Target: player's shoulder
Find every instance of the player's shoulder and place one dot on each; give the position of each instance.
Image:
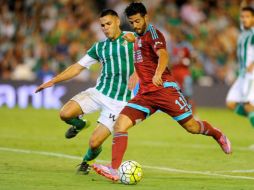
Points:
(101, 42)
(155, 33)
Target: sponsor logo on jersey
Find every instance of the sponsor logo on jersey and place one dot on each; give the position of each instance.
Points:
(157, 43)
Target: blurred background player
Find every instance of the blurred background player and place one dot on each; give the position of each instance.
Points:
(180, 68)
(111, 92)
(158, 91)
(241, 94)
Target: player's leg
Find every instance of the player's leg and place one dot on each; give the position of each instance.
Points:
(238, 108)
(130, 115)
(203, 127)
(234, 98)
(248, 92)
(83, 103)
(120, 139)
(119, 145)
(72, 113)
(135, 111)
(99, 135)
(177, 107)
(249, 108)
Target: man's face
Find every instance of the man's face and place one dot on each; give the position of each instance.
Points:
(138, 22)
(247, 19)
(110, 25)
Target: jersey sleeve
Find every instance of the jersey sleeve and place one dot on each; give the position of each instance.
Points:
(87, 61)
(92, 52)
(157, 40)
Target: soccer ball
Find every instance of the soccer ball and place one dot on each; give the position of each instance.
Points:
(130, 172)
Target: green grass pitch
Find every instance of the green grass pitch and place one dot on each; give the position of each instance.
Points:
(34, 155)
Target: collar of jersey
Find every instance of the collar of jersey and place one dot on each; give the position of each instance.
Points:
(147, 29)
(249, 30)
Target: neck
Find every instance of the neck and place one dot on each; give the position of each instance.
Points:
(118, 33)
(146, 27)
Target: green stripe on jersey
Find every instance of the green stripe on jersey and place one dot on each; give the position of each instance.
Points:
(118, 64)
(244, 41)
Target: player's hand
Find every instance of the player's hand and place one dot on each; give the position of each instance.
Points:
(157, 81)
(133, 81)
(129, 37)
(44, 85)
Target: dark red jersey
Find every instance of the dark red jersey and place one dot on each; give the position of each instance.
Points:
(146, 59)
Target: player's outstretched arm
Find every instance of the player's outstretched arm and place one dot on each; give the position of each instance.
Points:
(162, 64)
(67, 74)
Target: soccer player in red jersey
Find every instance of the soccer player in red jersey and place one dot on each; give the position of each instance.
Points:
(158, 91)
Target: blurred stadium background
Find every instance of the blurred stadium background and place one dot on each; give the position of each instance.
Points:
(39, 39)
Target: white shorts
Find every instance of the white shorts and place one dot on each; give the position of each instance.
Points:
(91, 100)
(242, 91)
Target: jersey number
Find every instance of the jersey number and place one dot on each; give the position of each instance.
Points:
(181, 103)
(111, 116)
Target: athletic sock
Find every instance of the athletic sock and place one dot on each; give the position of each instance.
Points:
(119, 146)
(91, 154)
(251, 118)
(208, 130)
(240, 110)
(78, 123)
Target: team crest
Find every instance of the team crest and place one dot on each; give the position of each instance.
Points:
(124, 43)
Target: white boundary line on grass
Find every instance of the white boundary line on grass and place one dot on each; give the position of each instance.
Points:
(60, 155)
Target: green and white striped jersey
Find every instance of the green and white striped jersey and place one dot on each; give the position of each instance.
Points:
(117, 62)
(245, 50)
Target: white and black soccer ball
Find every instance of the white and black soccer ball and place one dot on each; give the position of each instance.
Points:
(130, 172)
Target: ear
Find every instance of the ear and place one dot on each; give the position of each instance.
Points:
(118, 21)
(146, 18)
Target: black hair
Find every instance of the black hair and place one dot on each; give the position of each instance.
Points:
(135, 8)
(250, 9)
(106, 12)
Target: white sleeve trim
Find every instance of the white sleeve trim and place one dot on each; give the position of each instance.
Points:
(87, 61)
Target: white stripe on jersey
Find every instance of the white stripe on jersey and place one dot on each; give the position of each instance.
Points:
(128, 70)
(105, 65)
(120, 68)
(112, 68)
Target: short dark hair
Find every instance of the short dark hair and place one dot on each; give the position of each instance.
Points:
(106, 12)
(250, 9)
(135, 8)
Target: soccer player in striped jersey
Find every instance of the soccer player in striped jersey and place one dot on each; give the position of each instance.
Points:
(111, 92)
(158, 91)
(241, 95)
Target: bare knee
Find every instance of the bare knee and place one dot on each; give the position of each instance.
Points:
(248, 108)
(118, 127)
(231, 105)
(192, 126)
(193, 129)
(64, 115)
(70, 110)
(123, 123)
